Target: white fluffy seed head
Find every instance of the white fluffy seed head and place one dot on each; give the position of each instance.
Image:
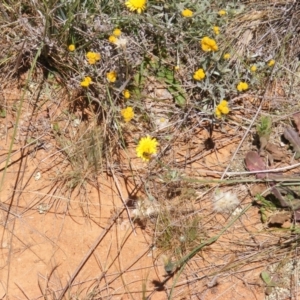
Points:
(121, 43)
(145, 209)
(225, 202)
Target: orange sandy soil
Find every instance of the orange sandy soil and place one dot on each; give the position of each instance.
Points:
(45, 234)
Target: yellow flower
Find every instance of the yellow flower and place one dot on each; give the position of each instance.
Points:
(216, 30)
(93, 57)
(111, 76)
(117, 32)
(223, 103)
(176, 68)
(86, 82)
(199, 74)
(126, 94)
(71, 47)
(226, 56)
(187, 13)
(209, 44)
(222, 12)
(253, 68)
(127, 113)
(138, 5)
(112, 39)
(218, 113)
(242, 86)
(222, 108)
(146, 148)
(271, 63)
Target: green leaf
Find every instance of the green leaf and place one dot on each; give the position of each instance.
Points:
(264, 127)
(180, 100)
(178, 95)
(265, 203)
(55, 127)
(264, 217)
(2, 113)
(169, 75)
(265, 276)
(153, 64)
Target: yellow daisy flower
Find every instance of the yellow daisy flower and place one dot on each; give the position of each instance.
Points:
(113, 39)
(226, 56)
(208, 44)
(187, 13)
(93, 57)
(71, 47)
(199, 74)
(126, 94)
(253, 68)
(117, 32)
(138, 5)
(146, 148)
(216, 30)
(222, 108)
(86, 81)
(127, 113)
(271, 63)
(218, 113)
(223, 103)
(111, 76)
(222, 12)
(242, 86)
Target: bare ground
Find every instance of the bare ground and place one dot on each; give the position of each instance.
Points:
(50, 236)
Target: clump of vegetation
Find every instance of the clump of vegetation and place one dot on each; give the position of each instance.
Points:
(263, 129)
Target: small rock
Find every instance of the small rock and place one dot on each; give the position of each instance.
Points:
(280, 219)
